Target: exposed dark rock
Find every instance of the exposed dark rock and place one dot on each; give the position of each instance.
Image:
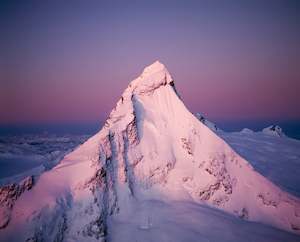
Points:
(243, 214)
(267, 201)
(9, 195)
(187, 145)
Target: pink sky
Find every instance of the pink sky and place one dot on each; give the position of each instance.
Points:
(229, 62)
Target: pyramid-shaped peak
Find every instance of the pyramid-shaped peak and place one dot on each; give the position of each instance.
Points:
(155, 67)
(152, 77)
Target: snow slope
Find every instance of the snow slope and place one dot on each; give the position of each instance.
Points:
(277, 158)
(152, 155)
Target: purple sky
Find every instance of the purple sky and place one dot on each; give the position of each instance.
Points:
(64, 62)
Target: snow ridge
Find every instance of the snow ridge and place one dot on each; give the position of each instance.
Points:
(208, 123)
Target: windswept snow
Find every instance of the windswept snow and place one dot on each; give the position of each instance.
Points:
(181, 221)
(153, 173)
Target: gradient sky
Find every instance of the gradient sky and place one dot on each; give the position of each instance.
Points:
(70, 61)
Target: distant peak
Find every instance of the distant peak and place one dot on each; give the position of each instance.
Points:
(274, 130)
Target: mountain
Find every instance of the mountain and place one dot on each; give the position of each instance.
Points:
(246, 131)
(152, 161)
(274, 130)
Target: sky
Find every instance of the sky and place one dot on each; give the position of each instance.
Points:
(69, 61)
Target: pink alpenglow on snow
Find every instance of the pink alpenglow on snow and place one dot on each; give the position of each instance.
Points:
(152, 167)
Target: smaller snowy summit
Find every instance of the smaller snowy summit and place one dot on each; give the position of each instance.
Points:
(247, 131)
(274, 130)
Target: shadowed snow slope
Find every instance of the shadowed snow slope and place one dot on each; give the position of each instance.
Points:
(153, 149)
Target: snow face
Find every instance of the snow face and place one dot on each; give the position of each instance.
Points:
(150, 149)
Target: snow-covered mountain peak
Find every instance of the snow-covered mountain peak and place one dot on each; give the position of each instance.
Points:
(155, 81)
(274, 130)
(154, 67)
(151, 148)
(152, 77)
